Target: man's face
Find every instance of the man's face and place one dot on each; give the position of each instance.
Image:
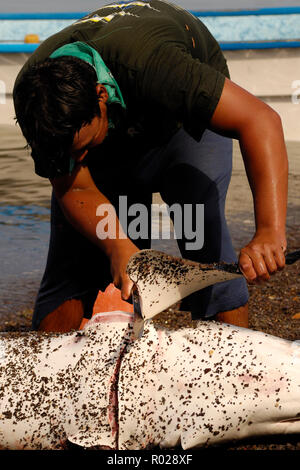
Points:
(91, 134)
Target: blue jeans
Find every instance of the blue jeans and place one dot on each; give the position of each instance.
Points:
(183, 171)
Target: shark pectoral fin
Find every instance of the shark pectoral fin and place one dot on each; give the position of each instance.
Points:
(162, 279)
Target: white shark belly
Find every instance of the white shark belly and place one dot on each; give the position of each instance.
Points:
(207, 385)
(193, 387)
(58, 388)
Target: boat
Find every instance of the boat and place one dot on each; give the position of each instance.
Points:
(262, 48)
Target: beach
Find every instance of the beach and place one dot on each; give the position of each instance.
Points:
(25, 203)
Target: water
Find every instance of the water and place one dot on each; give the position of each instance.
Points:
(24, 222)
(225, 29)
(90, 5)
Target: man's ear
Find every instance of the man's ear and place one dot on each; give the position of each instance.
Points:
(101, 92)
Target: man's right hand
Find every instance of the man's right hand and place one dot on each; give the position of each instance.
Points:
(79, 199)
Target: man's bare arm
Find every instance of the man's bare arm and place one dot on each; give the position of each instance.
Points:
(259, 130)
(79, 198)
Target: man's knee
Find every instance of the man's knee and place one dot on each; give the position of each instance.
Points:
(66, 317)
(238, 316)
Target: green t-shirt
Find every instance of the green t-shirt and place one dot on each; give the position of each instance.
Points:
(169, 68)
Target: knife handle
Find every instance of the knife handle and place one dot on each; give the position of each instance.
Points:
(136, 301)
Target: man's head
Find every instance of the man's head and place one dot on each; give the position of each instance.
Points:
(54, 100)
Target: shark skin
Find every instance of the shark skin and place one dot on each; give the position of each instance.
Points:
(60, 388)
(192, 387)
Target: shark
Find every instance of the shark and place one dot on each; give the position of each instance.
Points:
(102, 387)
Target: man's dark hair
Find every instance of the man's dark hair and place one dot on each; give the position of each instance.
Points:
(53, 100)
